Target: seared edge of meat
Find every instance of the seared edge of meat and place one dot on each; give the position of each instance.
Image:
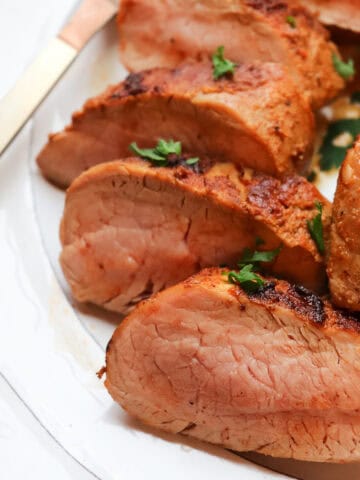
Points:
(344, 258)
(258, 119)
(180, 30)
(275, 372)
(130, 229)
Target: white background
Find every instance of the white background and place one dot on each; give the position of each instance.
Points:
(25, 27)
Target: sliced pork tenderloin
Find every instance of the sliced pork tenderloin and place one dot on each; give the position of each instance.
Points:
(255, 118)
(344, 258)
(276, 371)
(265, 30)
(130, 229)
(344, 14)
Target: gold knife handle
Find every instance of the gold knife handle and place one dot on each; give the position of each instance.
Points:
(32, 87)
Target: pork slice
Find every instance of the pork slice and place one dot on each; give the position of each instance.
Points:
(256, 119)
(344, 258)
(343, 14)
(130, 229)
(276, 372)
(249, 30)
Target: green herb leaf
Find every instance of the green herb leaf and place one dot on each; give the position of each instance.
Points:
(149, 154)
(355, 97)
(255, 257)
(159, 154)
(247, 279)
(249, 264)
(192, 161)
(315, 228)
(332, 155)
(221, 65)
(165, 148)
(291, 21)
(345, 69)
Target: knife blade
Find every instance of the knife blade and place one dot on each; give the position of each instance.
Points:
(43, 73)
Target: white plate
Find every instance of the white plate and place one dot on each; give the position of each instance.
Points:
(56, 419)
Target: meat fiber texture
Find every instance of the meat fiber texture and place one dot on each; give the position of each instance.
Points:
(344, 14)
(130, 229)
(276, 372)
(256, 119)
(249, 30)
(344, 258)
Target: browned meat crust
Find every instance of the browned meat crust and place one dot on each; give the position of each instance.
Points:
(276, 372)
(249, 30)
(130, 229)
(257, 119)
(344, 259)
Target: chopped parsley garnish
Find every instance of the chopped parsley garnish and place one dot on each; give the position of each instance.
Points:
(151, 154)
(346, 70)
(192, 161)
(165, 148)
(159, 155)
(255, 257)
(247, 279)
(331, 152)
(315, 228)
(221, 65)
(249, 264)
(291, 21)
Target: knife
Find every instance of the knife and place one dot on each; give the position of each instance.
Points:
(43, 73)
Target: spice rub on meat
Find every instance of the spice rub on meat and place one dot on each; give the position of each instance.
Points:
(276, 371)
(130, 229)
(250, 30)
(344, 259)
(256, 118)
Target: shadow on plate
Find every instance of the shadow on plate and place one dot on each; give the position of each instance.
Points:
(98, 312)
(115, 416)
(292, 468)
(307, 470)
